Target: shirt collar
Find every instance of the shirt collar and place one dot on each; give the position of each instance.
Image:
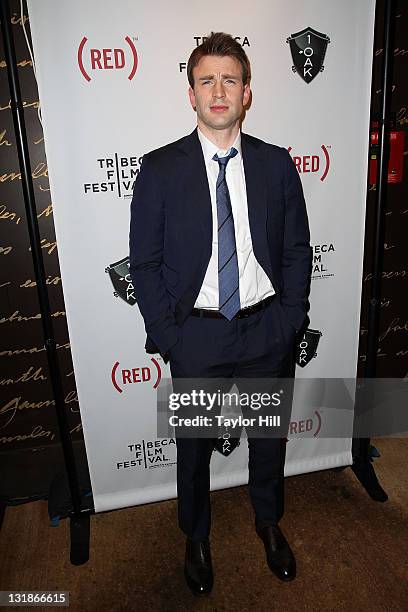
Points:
(210, 149)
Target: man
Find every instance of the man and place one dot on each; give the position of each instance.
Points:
(220, 260)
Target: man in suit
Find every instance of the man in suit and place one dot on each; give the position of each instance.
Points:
(220, 261)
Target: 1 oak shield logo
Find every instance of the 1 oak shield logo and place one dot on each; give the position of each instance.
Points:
(306, 349)
(121, 280)
(308, 49)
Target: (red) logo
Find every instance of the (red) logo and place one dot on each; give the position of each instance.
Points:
(122, 377)
(313, 163)
(91, 59)
(306, 425)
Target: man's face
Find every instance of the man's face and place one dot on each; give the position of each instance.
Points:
(219, 96)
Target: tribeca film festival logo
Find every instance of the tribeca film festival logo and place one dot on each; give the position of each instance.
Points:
(118, 175)
(121, 281)
(242, 40)
(150, 454)
(318, 164)
(308, 49)
(322, 257)
(121, 377)
(93, 60)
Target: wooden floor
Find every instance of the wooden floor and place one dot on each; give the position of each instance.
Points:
(351, 552)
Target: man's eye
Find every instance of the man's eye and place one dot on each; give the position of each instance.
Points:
(206, 82)
(230, 81)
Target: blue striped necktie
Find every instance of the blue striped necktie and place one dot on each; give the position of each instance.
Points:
(228, 276)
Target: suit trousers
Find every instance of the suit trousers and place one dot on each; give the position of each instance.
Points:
(259, 346)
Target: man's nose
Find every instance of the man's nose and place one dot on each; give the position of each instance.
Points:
(218, 91)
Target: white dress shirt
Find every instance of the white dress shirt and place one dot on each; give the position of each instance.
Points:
(254, 284)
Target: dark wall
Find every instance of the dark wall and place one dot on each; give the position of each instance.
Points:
(392, 358)
(26, 404)
(26, 410)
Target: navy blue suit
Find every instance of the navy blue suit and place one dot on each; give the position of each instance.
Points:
(170, 248)
(171, 232)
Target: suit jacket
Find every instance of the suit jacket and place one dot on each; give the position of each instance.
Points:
(171, 232)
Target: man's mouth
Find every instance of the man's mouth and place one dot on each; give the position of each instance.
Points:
(218, 108)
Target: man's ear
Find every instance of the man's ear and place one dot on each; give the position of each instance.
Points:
(192, 97)
(247, 94)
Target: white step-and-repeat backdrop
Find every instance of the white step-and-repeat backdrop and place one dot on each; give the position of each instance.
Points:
(113, 86)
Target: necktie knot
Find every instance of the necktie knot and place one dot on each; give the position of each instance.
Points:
(223, 161)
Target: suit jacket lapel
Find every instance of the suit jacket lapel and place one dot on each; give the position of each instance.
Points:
(196, 184)
(255, 168)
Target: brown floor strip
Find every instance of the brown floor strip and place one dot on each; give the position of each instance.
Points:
(351, 552)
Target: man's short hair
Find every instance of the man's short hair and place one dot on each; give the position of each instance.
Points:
(221, 44)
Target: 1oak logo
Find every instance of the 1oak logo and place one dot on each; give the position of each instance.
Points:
(122, 281)
(308, 49)
(91, 59)
(306, 349)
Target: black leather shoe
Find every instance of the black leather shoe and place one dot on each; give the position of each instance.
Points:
(278, 553)
(198, 567)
